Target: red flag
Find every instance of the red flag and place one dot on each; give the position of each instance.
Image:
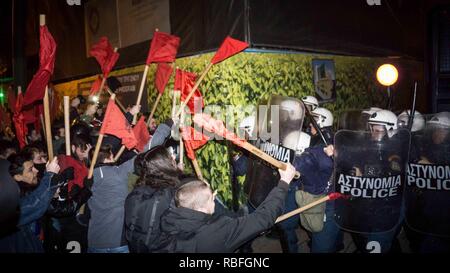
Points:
(79, 173)
(141, 133)
(163, 48)
(163, 73)
(177, 82)
(105, 55)
(116, 124)
(217, 127)
(19, 122)
(47, 54)
(193, 140)
(228, 48)
(21, 129)
(29, 114)
(187, 83)
(337, 195)
(95, 87)
(38, 111)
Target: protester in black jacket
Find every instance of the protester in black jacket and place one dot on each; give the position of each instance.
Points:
(191, 225)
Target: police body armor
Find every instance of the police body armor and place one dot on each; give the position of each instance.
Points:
(427, 189)
(283, 120)
(371, 173)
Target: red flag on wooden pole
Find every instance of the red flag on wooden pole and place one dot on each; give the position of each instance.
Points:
(228, 48)
(186, 83)
(141, 133)
(95, 87)
(193, 140)
(163, 48)
(163, 73)
(105, 55)
(47, 54)
(116, 124)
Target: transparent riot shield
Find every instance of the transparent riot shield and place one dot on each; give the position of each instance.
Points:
(427, 189)
(354, 120)
(279, 127)
(371, 172)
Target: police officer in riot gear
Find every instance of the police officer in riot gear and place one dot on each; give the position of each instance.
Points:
(324, 119)
(370, 167)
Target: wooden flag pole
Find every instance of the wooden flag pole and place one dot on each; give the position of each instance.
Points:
(194, 88)
(175, 95)
(116, 100)
(94, 157)
(278, 164)
(97, 148)
(181, 141)
(67, 124)
(48, 129)
(41, 117)
(48, 134)
(141, 90)
(197, 169)
(119, 153)
(152, 113)
(302, 209)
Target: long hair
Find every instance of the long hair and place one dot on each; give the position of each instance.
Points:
(156, 169)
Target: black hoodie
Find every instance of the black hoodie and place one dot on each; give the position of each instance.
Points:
(195, 231)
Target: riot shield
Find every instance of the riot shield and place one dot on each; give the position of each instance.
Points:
(354, 120)
(278, 135)
(371, 173)
(427, 189)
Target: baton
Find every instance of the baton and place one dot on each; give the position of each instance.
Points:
(314, 123)
(413, 109)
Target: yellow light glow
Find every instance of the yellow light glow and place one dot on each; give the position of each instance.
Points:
(387, 74)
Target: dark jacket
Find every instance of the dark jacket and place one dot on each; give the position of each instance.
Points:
(9, 199)
(32, 208)
(194, 231)
(315, 168)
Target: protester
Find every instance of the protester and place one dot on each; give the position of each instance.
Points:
(191, 226)
(33, 203)
(109, 192)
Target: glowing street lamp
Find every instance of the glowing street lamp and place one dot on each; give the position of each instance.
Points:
(387, 75)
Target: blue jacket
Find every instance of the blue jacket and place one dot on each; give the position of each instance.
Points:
(32, 208)
(315, 168)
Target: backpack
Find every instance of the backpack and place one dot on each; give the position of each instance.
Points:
(143, 209)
